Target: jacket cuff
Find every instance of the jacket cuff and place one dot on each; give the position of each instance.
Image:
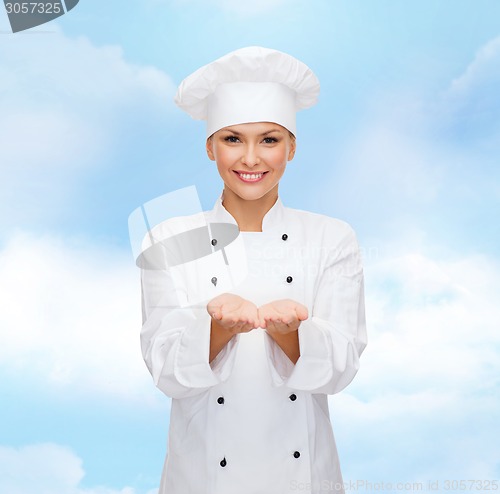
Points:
(313, 369)
(222, 365)
(191, 366)
(314, 366)
(280, 366)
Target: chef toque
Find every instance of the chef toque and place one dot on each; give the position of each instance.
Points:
(253, 84)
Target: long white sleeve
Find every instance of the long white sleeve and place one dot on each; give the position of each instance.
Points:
(175, 340)
(332, 339)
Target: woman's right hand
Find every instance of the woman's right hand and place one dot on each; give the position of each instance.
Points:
(233, 313)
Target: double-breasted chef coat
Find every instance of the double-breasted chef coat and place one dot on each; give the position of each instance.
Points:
(252, 422)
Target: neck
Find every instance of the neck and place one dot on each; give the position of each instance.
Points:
(249, 214)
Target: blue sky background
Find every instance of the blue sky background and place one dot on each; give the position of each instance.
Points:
(404, 144)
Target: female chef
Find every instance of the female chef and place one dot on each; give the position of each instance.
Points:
(249, 370)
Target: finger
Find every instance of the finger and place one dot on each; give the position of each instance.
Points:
(274, 323)
(251, 325)
(279, 327)
(302, 312)
(270, 326)
(256, 322)
(235, 323)
(238, 327)
(261, 318)
(248, 327)
(252, 320)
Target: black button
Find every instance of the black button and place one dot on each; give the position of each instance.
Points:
(284, 236)
(214, 241)
(296, 454)
(293, 397)
(289, 279)
(220, 400)
(223, 463)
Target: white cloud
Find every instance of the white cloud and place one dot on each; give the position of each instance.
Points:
(482, 73)
(46, 469)
(53, 71)
(425, 401)
(67, 106)
(436, 322)
(387, 175)
(71, 316)
(428, 162)
(471, 104)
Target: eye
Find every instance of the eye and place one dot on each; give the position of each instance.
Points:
(270, 140)
(231, 139)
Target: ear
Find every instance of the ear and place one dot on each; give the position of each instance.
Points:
(210, 148)
(293, 147)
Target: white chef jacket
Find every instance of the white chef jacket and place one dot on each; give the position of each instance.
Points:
(252, 422)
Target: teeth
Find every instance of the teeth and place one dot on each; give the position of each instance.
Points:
(251, 176)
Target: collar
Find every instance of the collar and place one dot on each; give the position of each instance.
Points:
(273, 218)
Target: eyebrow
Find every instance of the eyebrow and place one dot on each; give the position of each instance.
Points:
(235, 132)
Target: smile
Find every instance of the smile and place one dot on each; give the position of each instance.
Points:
(250, 177)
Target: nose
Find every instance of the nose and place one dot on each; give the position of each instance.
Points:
(250, 156)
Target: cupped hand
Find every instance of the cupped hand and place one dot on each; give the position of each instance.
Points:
(234, 313)
(282, 316)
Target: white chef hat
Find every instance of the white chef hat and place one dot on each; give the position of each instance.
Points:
(253, 84)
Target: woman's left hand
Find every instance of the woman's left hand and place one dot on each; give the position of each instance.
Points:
(282, 316)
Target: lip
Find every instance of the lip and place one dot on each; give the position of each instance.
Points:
(238, 173)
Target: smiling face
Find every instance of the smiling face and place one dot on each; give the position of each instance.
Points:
(251, 158)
